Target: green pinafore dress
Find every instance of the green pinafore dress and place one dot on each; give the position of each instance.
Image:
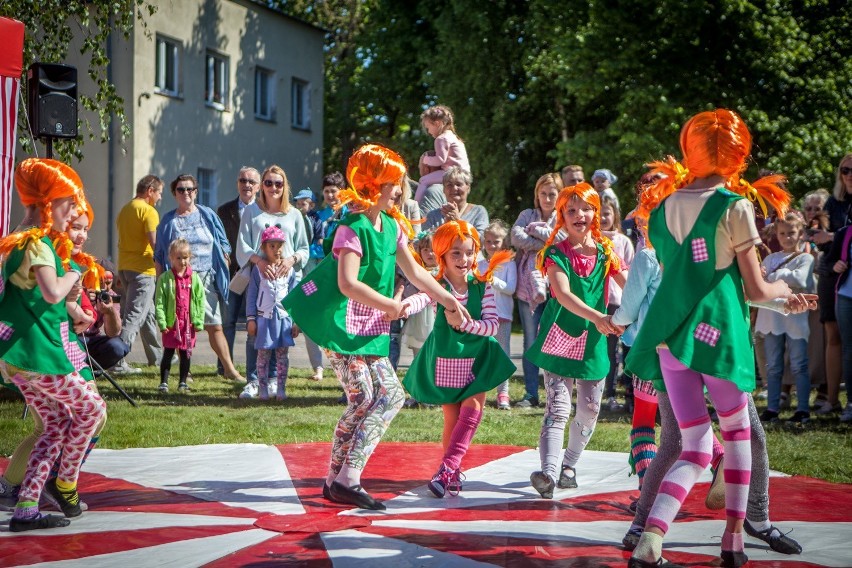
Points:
(455, 365)
(333, 320)
(568, 345)
(699, 312)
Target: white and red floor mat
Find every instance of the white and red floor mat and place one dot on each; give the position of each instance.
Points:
(223, 506)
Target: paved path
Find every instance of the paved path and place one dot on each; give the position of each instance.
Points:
(203, 354)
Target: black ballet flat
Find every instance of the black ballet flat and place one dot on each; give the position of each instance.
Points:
(354, 495)
(660, 563)
(40, 522)
(732, 559)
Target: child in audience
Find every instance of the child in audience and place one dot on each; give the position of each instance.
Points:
(603, 180)
(179, 300)
(449, 148)
(268, 321)
(787, 333)
(418, 326)
(460, 360)
(503, 282)
(623, 247)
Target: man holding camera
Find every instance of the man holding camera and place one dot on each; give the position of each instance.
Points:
(102, 337)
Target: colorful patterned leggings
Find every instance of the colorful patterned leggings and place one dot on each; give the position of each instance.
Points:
(375, 395)
(282, 364)
(70, 410)
(556, 415)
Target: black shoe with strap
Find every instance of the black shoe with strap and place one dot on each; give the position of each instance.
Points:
(69, 501)
(37, 523)
(660, 563)
(777, 541)
(354, 495)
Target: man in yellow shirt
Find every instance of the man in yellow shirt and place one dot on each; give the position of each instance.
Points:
(137, 235)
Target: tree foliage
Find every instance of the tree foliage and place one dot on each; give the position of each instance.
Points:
(51, 25)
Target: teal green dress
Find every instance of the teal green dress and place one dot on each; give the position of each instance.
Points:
(455, 365)
(568, 345)
(699, 312)
(333, 320)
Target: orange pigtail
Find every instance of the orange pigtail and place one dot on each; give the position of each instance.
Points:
(63, 246)
(765, 190)
(92, 271)
(499, 257)
(674, 176)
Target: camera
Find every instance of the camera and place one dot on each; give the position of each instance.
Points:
(105, 297)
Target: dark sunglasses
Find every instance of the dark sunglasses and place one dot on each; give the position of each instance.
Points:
(270, 183)
(185, 189)
(248, 181)
(846, 171)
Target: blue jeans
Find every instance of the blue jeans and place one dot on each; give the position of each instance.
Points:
(797, 349)
(843, 309)
(395, 339)
(235, 308)
(529, 323)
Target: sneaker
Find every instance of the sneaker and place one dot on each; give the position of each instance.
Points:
(122, 368)
(163, 388)
(69, 502)
(317, 376)
(272, 388)
(343, 399)
(542, 483)
(613, 405)
(801, 417)
(631, 539)
(8, 493)
(777, 541)
(503, 402)
(250, 390)
(847, 414)
(715, 499)
(263, 391)
(48, 501)
(183, 387)
(785, 401)
(410, 403)
(762, 395)
(769, 416)
(528, 401)
(456, 482)
(567, 478)
(827, 408)
(440, 482)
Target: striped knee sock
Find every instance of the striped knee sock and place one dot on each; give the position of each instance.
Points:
(684, 473)
(736, 436)
(462, 435)
(643, 448)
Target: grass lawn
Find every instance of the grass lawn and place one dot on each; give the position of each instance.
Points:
(211, 413)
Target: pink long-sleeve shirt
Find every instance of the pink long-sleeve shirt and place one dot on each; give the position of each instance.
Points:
(449, 151)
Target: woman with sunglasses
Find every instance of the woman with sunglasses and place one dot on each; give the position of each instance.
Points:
(271, 208)
(203, 229)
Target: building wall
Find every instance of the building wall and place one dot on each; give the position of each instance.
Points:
(180, 134)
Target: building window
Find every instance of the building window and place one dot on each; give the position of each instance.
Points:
(301, 110)
(207, 187)
(264, 94)
(167, 79)
(216, 87)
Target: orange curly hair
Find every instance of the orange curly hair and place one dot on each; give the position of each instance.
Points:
(369, 168)
(451, 231)
(715, 142)
(586, 193)
(40, 181)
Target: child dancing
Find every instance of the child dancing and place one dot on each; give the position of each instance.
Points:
(179, 300)
(36, 282)
(346, 304)
(704, 234)
(268, 323)
(461, 360)
(571, 345)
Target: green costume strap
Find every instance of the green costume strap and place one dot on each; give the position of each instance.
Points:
(455, 365)
(30, 327)
(699, 312)
(331, 319)
(568, 345)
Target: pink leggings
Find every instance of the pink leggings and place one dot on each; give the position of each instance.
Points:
(70, 410)
(686, 392)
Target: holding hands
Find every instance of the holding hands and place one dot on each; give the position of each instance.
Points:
(606, 327)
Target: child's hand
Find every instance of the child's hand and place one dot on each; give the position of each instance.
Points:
(394, 312)
(296, 331)
(605, 326)
(539, 297)
(798, 303)
(763, 272)
(251, 328)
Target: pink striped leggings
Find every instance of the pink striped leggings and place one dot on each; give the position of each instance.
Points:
(686, 392)
(70, 410)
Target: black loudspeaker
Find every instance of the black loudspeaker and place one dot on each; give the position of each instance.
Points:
(52, 98)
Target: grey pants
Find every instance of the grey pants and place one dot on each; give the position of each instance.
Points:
(556, 415)
(669, 450)
(137, 314)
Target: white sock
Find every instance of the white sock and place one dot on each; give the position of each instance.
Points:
(760, 526)
(349, 476)
(649, 547)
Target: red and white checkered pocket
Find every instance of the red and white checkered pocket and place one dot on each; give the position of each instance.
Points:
(309, 287)
(699, 250)
(72, 349)
(454, 373)
(561, 344)
(365, 320)
(5, 331)
(707, 334)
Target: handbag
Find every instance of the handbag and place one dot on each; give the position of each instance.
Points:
(241, 279)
